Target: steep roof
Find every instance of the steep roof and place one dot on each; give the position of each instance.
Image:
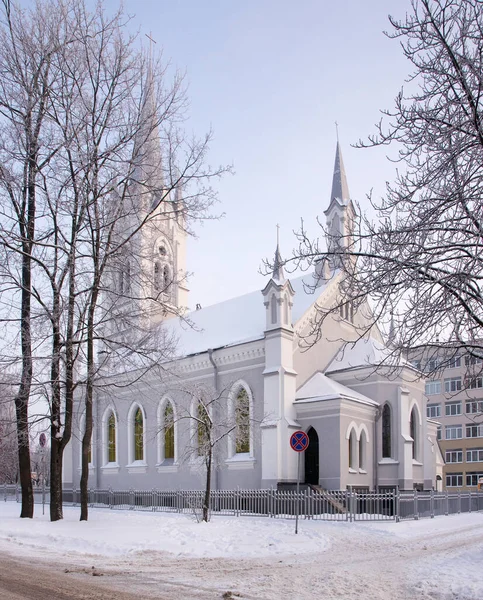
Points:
(366, 352)
(321, 387)
(235, 321)
(340, 189)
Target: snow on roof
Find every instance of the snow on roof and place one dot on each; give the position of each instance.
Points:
(235, 321)
(321, 387)
(365, 352)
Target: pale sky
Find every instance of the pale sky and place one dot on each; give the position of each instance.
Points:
(271, 77)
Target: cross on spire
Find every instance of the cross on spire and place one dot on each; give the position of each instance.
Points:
(151, 42)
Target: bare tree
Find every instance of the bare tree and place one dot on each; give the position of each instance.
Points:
(213, 422)
(8, 437)
(420, 265)
(100, 176)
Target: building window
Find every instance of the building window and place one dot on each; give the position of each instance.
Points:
(413, 432)
(474, 455)
(474, 407)
(452, 409)
(362, 450)
(157, 276)
(168, 429)
(432, 365)
(472, 360)
(166, 279)
(474, 383)
(453, 432)
(386, 431)
(473, 478)
(242, 422)
(452, 384)
(203, 430)
(454, 362)
(474, 431)
(111, 438)
(138, 435)
(439, 433)
(454, 480)
(454, 456)
(273, 306)
(432, 387)
(352, 450)
(433, 411)
(416, 364)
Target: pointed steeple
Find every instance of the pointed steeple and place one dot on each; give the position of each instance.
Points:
(340, 189)
(278, 273)
(340, 214)
(147, 149)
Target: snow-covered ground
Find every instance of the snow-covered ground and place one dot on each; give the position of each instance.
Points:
(262, 558)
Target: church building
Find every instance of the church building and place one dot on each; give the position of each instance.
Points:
(242, 361)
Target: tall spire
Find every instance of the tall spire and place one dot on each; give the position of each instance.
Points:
(340, 189)
(147, 147)
(278, 273)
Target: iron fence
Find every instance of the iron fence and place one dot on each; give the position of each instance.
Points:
(344, 505)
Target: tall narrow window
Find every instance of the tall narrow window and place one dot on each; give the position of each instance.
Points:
(111, 438)
(386, 431)
(285, 310)
(157, 276)
(166, 279)
(273, 305)
(203, 430)
(352, 450)
(168, 432)
(138, 435)
(362, 450)
(413, 432)
(242, 425)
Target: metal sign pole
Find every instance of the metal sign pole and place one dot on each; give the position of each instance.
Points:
(298, 491)
(43, 480)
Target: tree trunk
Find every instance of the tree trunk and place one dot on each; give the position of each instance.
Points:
(206, 503)
(21, 407)
(87, 438)
(56, 452)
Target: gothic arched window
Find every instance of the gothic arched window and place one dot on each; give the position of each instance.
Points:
(362, 450)
(273, 306)
(166, 279)
(157, 276)
(352, 450)
(111, 438)
(168, 426)
(413, 432)
(242, 422)
(203, 429)
(386, 431)
(138, 435)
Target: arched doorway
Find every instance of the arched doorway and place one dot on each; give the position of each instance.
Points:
(312, 458)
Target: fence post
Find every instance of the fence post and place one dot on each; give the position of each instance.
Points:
(349, 502)
(238, 501)
(416, 507)
(131, 499)
(459, 501)
(431, 504)
(446, 504)
(397, 504)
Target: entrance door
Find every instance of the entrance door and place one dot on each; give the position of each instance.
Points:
(312, 458)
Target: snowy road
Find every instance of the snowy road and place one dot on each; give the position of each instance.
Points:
(171, 556)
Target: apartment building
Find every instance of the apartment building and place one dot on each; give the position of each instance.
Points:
(455, 399)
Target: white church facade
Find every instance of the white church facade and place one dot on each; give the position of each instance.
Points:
(366, 429)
